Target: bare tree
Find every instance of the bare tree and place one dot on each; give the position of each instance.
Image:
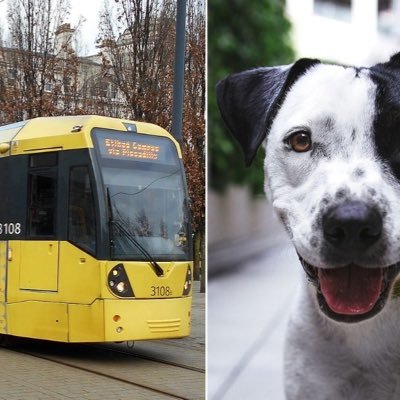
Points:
(40, 71)
(136, 41)
(194, 123)
(33, 25)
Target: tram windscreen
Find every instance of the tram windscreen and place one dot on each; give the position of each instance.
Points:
(146, 193)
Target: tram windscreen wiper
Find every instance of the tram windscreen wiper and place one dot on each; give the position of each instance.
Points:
(131, 237)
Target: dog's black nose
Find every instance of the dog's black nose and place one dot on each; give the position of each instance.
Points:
(352, 226)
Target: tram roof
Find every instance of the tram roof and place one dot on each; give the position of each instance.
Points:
(66, 132)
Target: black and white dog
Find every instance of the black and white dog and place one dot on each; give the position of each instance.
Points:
(332, 168)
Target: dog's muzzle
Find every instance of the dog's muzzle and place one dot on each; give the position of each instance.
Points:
(354, 290)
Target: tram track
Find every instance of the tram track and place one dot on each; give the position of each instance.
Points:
(136, 370)
(137, 354)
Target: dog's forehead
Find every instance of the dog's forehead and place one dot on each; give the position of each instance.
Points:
(345, 95)
(337, 105)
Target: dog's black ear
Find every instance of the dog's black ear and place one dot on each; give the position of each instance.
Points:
(395, 60)
(249, 100)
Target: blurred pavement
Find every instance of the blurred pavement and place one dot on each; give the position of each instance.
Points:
(248, 309)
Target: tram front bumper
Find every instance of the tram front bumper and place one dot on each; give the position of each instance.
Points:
(147, 319)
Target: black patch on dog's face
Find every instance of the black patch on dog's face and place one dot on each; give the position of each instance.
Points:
(387, 119)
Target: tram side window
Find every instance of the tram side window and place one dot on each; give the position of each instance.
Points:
(81, 217)
(42, 208)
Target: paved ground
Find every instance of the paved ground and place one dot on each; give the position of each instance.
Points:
(247, 314)
(26, 378)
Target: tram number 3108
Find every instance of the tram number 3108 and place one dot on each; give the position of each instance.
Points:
(10, 228)
(163, 291)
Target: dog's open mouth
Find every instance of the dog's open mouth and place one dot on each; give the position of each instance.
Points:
(352, 293)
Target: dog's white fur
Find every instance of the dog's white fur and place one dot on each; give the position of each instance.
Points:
(325, 359)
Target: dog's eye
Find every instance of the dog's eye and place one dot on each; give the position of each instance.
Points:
(300, 141)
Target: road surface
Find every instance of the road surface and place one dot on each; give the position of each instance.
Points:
(248, 308)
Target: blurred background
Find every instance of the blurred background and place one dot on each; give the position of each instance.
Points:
(253, 270)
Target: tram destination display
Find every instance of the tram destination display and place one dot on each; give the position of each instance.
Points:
(137, 148)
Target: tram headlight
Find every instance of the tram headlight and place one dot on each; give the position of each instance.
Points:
(188, 282)
(121, 287)
(118, 282)
(115, 272)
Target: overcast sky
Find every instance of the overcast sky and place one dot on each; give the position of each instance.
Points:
(90, 10)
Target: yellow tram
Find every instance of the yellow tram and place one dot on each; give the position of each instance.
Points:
(95, 241)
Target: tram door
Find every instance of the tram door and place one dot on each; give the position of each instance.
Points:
(39, 264)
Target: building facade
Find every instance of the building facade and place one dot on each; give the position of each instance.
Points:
(360, 32)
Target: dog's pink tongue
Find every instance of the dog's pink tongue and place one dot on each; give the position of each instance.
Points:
(351, 290)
